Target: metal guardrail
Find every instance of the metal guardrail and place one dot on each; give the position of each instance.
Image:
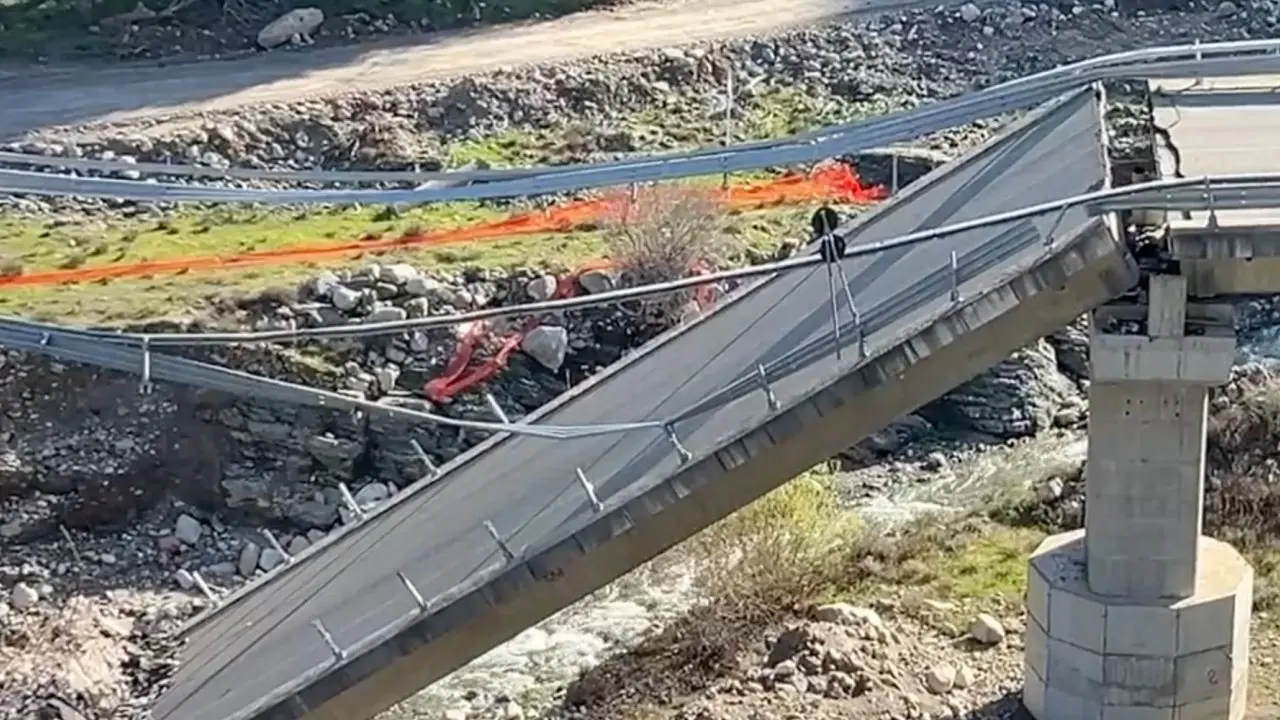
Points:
(1230, 58)
(1218, 193)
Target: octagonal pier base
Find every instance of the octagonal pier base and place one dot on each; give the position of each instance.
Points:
(1093, 657)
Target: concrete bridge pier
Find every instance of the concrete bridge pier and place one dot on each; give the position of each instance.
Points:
(1139, 616)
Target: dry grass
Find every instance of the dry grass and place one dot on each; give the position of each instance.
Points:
(663, 234)
(771, 562)
(795, 547)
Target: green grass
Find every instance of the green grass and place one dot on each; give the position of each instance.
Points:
(30, 246)
(34, 247)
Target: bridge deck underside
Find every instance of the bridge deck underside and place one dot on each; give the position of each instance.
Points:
(527, 489)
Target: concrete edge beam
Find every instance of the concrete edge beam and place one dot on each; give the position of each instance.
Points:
(1196, 359)
(1035, 300)
(1242, 243)
(1246, 276)
(1201, 315)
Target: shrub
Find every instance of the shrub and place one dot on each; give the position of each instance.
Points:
(662, 234)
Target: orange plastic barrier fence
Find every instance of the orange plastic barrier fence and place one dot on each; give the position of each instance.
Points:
(834, 182)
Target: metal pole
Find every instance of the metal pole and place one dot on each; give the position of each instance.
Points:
(894, 181)
(728, 119)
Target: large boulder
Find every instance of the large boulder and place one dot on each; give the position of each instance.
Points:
(302, 21)
(1016, 398)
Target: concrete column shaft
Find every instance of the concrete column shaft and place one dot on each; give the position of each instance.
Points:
(1144, 495)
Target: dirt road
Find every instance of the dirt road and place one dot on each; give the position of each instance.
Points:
(124, 93)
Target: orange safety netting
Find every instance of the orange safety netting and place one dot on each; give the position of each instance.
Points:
(835, 182)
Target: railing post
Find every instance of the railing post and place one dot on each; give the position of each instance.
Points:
(205, 589)
(502, 545)
(350, 501)
(338, 653)
(413, 591)
(496, 409)
(955, 277)
(431, 469)
(275, 545)
(685, 455)
(590, 490)
(762, 377)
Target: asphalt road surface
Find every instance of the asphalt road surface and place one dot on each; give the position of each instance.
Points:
(526, 487)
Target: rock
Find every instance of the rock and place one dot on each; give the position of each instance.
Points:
(987, 630)
(344, 298)
(248, 561)
(542, 287)
(372, 494)
(596, 281)
(1050, 490)
(970, 12)
(298, 22)
(423, 286)
(965, 677)
(547, 344)
(940, 679)
(185, 579)
(850, 615)
(188, 529)
(398, 274)
(297, 544)
(1016, 398)
(270, 559)
(23, 596)
(388, 313)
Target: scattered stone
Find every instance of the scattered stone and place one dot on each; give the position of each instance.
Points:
(23, 596)
(250, 555)
(547, 344)
(987, 630)
(188, 529)
(940, 679)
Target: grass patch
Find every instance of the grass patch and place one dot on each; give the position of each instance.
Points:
(33, 247)
(29, 245)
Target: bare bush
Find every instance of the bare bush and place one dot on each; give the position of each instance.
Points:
(663, 233)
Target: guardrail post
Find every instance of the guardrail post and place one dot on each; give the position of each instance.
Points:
(893, 182)
(762, 377)
(275, 545)
(955, 277)
(423, 606)
(1211, 202)
(590, 490)
(685, 455)
(496, 409)
(145, 387)
(350, 501)
(338, 653)
(502, 545)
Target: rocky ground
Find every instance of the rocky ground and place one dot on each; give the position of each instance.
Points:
(121, 508)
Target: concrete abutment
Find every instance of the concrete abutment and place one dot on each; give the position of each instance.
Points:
(1139, 616)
